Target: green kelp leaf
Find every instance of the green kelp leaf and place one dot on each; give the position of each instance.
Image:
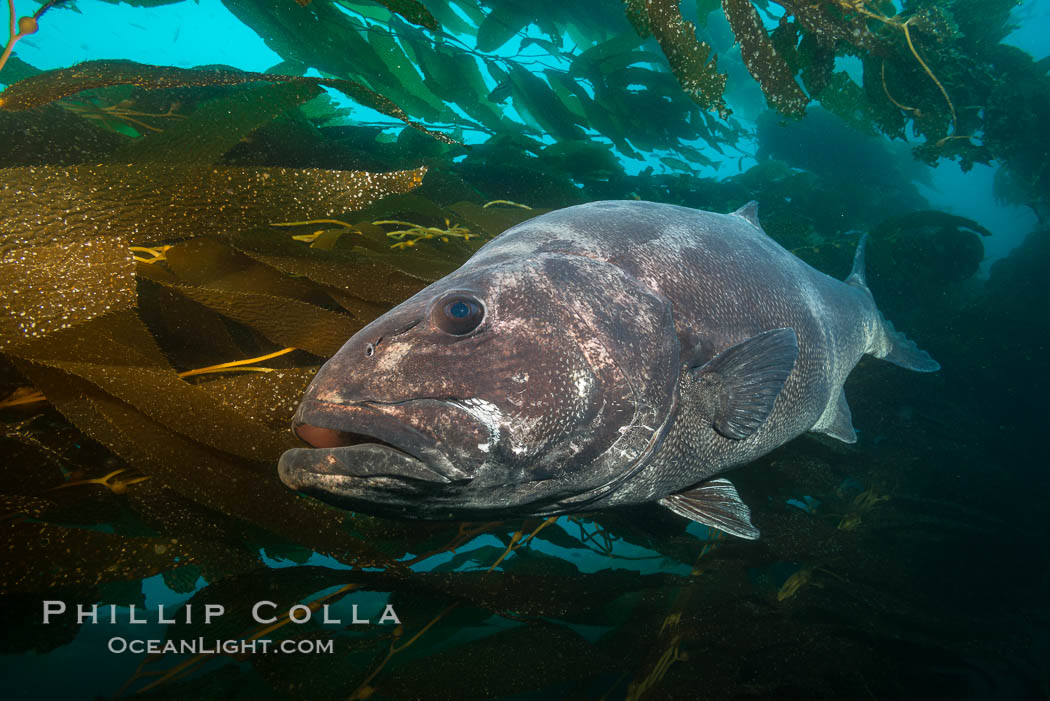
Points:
(323, 35)
(562, 85)
(417, 608)
(78, 556)
(47, 87)
(216, 126)
(592, 60)
(505, 660)
(412, 10)
(697, 75)
(705, 7)
(501, 24)
(533, 96)
(848, 101)
(597, 116)
(815, 59)
(54, 286)
(230, 486)
(456, 77)
(676, 164)
(147, 203)
(582, 159)
(695, 156)
(454, 22)
(16, 69)
(287, 322)
(762, 60)
(116, 354)
(428, 106)
(367, 62)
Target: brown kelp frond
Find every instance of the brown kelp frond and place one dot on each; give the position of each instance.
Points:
(762, 60)
(65, 254)
(215, 126)
(49, 86)
(691, 61)
(123, 112)
(154, 202)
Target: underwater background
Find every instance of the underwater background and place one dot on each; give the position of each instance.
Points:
(201, 201)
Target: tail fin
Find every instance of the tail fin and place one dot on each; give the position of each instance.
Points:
(889, 344)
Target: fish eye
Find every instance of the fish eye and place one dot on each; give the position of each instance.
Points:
(458, 314)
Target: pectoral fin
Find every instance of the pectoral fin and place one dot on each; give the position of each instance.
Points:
(714, 503)
(740, 385)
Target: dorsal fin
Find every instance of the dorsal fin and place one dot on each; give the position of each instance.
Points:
(887, 342)
(749, 213)
(857, 276)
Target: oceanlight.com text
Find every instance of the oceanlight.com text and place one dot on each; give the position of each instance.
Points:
(202, 646)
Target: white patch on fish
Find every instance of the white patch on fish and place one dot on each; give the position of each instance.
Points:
(488, 414)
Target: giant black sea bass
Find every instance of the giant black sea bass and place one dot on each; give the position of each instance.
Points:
(605, 354)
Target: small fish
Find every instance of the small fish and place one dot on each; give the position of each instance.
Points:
(610, 353)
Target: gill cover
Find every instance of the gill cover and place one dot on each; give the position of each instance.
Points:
(626, 333)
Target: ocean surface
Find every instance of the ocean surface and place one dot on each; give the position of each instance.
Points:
(200, 202)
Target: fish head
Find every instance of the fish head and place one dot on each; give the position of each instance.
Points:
(518, 386)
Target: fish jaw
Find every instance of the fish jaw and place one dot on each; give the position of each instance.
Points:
(366, 448)
(369, 477)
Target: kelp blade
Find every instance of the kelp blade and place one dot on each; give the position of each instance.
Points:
(147, 203)
(44, 88)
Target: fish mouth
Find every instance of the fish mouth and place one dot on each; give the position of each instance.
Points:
(346, 447)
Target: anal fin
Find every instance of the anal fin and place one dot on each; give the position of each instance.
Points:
(714, 503)
(837, 420)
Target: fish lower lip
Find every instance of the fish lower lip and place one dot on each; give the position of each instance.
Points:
(312, 467)
(342, 428)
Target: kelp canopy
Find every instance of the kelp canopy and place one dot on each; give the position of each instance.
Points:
(182, 248)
